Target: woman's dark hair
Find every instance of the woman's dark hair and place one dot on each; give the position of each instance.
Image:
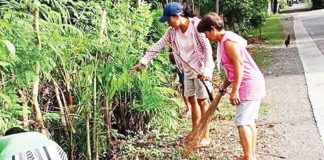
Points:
(211, 19)
(14, 130)
(187, 12)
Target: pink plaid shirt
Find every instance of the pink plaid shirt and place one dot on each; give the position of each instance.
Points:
(201, 59)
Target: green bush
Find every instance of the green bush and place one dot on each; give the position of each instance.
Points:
(240, 16)
(93, 69)
(282, 4)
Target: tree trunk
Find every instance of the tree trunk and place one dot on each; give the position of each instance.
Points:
(94, 126)
(24, 108)
(61, 108)
(36, 28)
(69, 99)
(87, 116)
(37, 110)
(108, 114)
(269, 7)
(217, 6)
(275, 6)
(103, 27)
(66, 108)
(193, 5)
(67, 105)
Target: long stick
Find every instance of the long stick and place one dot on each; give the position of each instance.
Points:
(208, 91)
(214, 83)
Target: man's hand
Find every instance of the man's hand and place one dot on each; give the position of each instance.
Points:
(138, 67)
(235, 98)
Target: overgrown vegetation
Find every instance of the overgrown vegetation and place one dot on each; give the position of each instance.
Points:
(241, 16)
(79, 63)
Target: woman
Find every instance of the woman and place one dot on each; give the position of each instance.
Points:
(193, 56)
(248, 85)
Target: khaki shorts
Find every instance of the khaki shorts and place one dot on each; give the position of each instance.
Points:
(194, 87)
(247, 113)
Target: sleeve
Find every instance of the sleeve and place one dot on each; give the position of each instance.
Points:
(208, 56)
(157, 47)
(209, 63)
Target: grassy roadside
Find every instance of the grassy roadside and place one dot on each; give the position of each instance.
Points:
(271, 31)
(262, 56)
(271, 34)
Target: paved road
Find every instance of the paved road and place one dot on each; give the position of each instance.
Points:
(309, 34)
(315, 28)
(293, 128)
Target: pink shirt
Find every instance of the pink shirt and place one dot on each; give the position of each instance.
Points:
(253, 85)
(200, 59)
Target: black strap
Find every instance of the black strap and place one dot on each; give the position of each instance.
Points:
(47, 154)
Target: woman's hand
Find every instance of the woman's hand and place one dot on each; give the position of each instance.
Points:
(203, 77)
(235, 98)
(138, 67)
(223, 91)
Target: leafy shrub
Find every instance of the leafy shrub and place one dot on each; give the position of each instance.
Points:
(240, 16)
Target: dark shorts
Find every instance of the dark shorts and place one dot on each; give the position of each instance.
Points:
(181, 78)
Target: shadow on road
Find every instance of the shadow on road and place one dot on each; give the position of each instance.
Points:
(301, 7)
(295, 10)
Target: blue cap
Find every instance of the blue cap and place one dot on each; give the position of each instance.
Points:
(170, 9)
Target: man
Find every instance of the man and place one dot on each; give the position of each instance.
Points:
(21, 145)
(248, 85)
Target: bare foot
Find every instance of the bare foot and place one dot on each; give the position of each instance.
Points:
(186, 112)
(241, 157)
(204, 142)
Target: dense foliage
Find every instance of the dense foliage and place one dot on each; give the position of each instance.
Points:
(87, 57)
(240, 16)
(66, 66)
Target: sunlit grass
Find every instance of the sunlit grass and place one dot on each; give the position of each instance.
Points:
(262, 56)
(271, 31)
